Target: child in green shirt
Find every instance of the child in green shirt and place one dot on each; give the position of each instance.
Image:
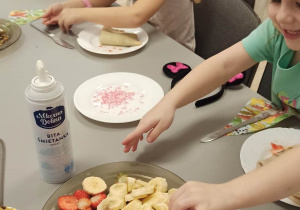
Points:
(277, 40)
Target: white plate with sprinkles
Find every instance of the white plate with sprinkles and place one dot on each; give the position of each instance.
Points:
(117, 97)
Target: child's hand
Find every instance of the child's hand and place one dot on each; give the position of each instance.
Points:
(197, 195)
(52, 13)
(68, 17)
(157, 120)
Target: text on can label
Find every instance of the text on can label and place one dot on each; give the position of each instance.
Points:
(50, 118)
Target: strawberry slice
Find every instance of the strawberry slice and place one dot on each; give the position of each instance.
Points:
(67, 202)
(97, 199)
(81, 194)
(84, 203)
(276, 148)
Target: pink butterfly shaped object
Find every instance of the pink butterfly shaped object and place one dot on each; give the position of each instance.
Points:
(176, 68)
(238, 76)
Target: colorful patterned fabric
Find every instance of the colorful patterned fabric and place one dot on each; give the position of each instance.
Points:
(253, 108)
(21, 17)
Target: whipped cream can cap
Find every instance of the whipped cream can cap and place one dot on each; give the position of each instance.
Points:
(43, 81)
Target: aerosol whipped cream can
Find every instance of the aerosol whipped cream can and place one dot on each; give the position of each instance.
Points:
(51, 130)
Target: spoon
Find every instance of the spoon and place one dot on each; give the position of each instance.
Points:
(2, 166)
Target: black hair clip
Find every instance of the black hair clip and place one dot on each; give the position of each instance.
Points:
(178, 75)
(236, 80)
(173, 69)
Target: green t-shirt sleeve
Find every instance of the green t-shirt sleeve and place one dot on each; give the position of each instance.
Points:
(260, 43)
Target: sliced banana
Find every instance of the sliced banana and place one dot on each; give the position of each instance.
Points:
(93, 185)
(165, 198)
(111, 203)
(172, 190)
(140, 183)
(118, 189)
(122, 178)
(128, 197)
(133, 205)
(141, 195)
(160, 206)
(130, 183)
(145, 207)
(157, 197)
(123, 203)
(142, 191)
(160, 184)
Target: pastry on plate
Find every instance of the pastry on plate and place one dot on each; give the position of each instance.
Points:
(124, 39)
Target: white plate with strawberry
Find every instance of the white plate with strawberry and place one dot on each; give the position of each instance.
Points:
(264, 144)
(78, 194)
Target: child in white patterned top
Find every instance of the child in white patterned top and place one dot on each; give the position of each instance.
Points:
(175, 18)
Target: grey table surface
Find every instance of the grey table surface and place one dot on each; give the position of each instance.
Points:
(95, 143)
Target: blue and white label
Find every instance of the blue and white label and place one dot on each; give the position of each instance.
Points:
(50, 118)
(69, 168)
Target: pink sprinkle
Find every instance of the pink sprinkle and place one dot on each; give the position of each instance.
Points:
(113, 97)
(118, 100)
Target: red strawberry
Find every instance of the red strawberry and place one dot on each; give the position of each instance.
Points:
(96, 199)
(81, 194)
(67, 202)
(276, 148)
(84, 203)
(89, 208)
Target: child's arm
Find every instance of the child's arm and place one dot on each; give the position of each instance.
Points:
(53, 12)
(272, 182)
(122, 17)
(94, 3)
(127, 17)
(205, 78)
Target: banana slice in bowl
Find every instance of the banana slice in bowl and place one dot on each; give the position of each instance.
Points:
(93, 185)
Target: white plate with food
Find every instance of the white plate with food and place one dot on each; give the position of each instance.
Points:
(258, 148)
(117, 97)
(9, 33)
(89, 40)
(108, 173)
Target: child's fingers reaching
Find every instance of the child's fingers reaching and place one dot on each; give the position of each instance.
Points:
(48, 13)
(137, 134)
(132, 140)
(53, 10)
(67, 26)
(45, 20)
(127, 148)
(155, 122)
(134, 146)
(158, 129)
(64, 24)
(134, 136)
(154, 133)
(61, 26)
(131, 146)
(51, 21)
